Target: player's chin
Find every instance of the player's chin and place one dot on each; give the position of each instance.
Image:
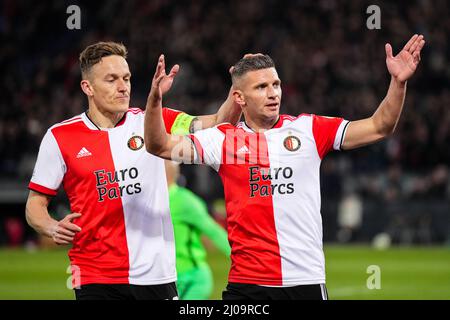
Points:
(272, 111)
(122, 106)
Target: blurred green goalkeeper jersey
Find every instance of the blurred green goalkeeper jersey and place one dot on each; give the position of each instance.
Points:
(191, 219)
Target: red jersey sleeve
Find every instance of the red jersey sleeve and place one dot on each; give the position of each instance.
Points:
(328, 133)
(176, 122)
(169, 116)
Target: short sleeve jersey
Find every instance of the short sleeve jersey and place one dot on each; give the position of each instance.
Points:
(272, 194)
(121, 192)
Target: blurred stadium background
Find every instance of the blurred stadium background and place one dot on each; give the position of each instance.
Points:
(386, 205)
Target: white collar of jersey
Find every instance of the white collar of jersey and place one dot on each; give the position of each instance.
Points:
(244, 125)
(88, 122)
(91, 125)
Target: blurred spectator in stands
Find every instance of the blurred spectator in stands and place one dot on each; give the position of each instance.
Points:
(350, 214)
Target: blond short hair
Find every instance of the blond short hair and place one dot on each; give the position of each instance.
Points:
(95, 52)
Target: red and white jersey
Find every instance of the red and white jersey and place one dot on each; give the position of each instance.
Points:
(272, 194)
(121, 192)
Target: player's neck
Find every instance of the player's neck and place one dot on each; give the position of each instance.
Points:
(261, 124)
(104, 119)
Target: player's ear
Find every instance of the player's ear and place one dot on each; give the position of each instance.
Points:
(238, 97)
(86, 87)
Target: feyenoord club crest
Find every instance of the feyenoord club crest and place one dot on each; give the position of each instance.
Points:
(135, 143)
(292, 143)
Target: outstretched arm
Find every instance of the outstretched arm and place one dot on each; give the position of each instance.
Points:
(157, 141)
(383, 122)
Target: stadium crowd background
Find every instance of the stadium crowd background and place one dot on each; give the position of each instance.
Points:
(330, 64)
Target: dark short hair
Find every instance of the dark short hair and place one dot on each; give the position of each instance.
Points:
(256, 62)
(95, 52)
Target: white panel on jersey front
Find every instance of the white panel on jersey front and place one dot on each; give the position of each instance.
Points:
(296, 201)
(145, 200)
(211, 142)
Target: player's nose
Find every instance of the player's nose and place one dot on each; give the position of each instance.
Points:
(122, 89)
(272, 93)
(121, 86)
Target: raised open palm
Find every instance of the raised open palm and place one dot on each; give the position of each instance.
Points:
(405, 63)
(165, 80)
(161, 82)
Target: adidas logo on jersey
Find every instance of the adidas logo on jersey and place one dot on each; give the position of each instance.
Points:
(243, 149)
(83, 153)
